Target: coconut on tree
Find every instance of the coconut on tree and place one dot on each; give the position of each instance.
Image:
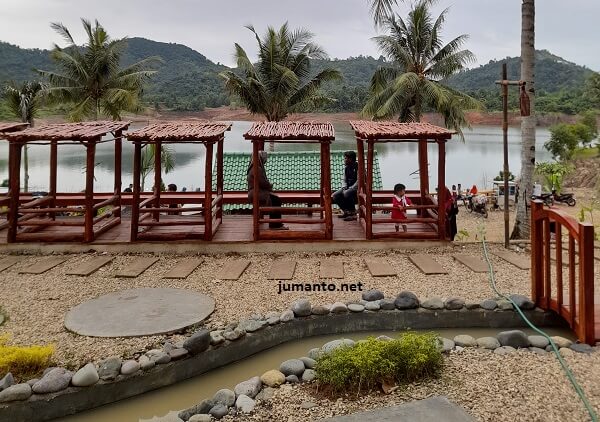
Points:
(419, 62)
(280, 82)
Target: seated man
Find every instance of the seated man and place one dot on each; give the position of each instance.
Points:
(172, 188)
(345, 198)
(266, 197)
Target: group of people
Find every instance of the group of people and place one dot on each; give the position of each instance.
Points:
(345, 198)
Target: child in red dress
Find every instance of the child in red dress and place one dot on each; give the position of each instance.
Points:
(399, 202)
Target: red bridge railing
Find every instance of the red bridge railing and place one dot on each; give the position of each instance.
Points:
(573, 298)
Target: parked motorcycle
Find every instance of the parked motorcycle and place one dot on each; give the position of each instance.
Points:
(565, 198)
(478, 204)
(547, 198)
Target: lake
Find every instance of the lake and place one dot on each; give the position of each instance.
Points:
(476, 161)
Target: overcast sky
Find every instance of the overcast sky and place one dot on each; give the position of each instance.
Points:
(568, 28)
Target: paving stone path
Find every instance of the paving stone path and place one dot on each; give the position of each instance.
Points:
(8, 262)
(136, 268)
(183, 268)
(427, 264)
(91, 266)
(282, 269)
(474, 263)
(380, 268)
(522, 262)
(331, 268)
(233, 270)
(42, 266)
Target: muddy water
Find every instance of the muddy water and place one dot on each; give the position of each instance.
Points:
(165, 403)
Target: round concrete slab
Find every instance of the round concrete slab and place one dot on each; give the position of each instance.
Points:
(139, 312)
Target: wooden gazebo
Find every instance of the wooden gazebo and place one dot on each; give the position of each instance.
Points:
(208, 215)
(4, 198)
(430, 222)
(287, 133)
(41, 219)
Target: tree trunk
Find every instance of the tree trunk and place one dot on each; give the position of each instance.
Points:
(522, 223)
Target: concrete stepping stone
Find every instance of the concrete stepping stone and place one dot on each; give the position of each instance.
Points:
(233, 270)
(331, 268)
(41, 267)
(282, 270)
(427, 264)
(474, 263)
(380, 268)
(91, 267)
(183, 268)
(136, 267)
(8, 262)
(518, 261)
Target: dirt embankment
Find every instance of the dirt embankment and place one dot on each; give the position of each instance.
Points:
(585, 175)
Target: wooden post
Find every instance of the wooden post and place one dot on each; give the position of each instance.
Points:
(360, 151)
(220, 176)
(369, 202)
(537, 277)
(88, 235)
(423, 170)
(586, 284)
(14, 176)
(53, 176)
(442, 190)
(326, 154)
(118, 171)
(559, 265)
(208, 215)
(547, 262)
(135, 205)
(157, 177)
(255, 200)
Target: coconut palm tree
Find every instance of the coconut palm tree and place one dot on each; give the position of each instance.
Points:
(24, 101)
(167, 161)
(90, 77)
(419, 63)
(280, 82)
(522, 223)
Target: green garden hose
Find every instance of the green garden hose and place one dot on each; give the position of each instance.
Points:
(570, 375)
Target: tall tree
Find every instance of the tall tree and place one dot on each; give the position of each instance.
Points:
(522, 222)
(419, 63)
(90, 76)
(24, 102)
(281, 81)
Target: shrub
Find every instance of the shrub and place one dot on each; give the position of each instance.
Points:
(23, 362)
(371, 362)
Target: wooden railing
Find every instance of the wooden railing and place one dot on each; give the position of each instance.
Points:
(573, 301)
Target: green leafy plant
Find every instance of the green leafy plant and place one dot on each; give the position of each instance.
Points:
(500, 176)
(462, 234)
(553, 173)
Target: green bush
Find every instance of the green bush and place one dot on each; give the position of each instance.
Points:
(371, 362)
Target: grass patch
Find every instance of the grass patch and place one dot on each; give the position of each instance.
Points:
(587, 152)
(373, 362)
(23, 362)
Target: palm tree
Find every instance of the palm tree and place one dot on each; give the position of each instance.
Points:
(419, 63)
(522, 223)
(381, 10)
(167, 161)
(280, 82)
(90, 76)
(24, 101)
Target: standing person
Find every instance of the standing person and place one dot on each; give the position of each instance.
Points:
(345, 198)
(266, 197)
(451, 212)
(454, 193)
(399, 202)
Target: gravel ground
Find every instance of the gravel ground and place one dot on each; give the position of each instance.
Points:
(521, 387)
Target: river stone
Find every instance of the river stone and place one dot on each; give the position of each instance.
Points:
(225, 397)
(372, 295)
(251, 325)
(454, 303)
(48, 369)
(301, 308)
(538, 341)
(201, 408)
(234, 334)
(198, 342)
(245, 404)
(334, 344)
(504, 350)
(490, 343)
(309, 375)
(15, 392)
(86, 376)
(265, 394)
(582, 348)
(505, 305)
(7, 381)
(168, 346)
(109, 368)
(130, 367)
(561, 341)
(320, 310)
(286, 316)
(513, 338)
(339, 308)
(200, 418)
(273, 320)
(406, 300)
(216, 337)
(523, 302)
(489, 304)
(309, 363)
(373, 306)
(472, 305)
(566, 351)
(178, 353)
(292, 379)
(146, 363)
(218, 411)
(538, 351)
(273, 378)
(56, 380)
(387, 304)
(292, 367)
(249, 387)
(446, 344)
(433, 303)
(464, 340)
(314, 352)
(383, 338)
(272, 314)
(160, 358)
(32, 381)
(355, 307)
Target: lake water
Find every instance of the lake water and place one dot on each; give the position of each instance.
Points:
(476, 161)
